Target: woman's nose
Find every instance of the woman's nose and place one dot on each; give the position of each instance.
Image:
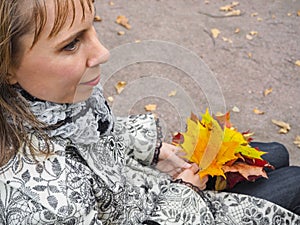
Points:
(97, 54)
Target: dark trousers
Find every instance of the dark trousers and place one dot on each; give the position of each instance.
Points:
(283, 185)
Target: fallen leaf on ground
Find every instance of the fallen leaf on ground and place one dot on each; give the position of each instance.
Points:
(111, 3)
(253, 33)
(150, 107)
(268, 91)
(235, 109)
(110, 98)
(123, 21)
(297, 141)
(237, 30)
(254, 14)
(234, 13)
(284, 127)
(258, 112)
(120, 86)
(227, 40)
(249, 37)
(172, 93)
(289, 14)
(121, 33)
(249, 55)
(97, 19)
(297, 63)
(215, 32)
(298, 13)
(229, 7)
(259, 19)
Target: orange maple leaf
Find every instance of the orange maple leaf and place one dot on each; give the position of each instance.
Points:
(224, 149)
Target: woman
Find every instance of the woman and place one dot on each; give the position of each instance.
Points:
(66, 160)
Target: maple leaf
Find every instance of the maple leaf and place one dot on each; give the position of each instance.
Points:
(247, 171)
(220, 150)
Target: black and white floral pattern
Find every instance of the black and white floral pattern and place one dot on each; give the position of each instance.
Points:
(101, 174)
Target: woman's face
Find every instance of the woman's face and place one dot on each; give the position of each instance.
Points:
(63, 68)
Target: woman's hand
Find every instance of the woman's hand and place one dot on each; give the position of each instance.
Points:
(170, 161)
(191, 175)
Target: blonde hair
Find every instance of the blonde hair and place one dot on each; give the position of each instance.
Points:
(17, 18)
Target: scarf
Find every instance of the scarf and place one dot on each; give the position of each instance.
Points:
(81, 123)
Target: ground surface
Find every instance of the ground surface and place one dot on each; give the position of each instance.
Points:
(243, 68)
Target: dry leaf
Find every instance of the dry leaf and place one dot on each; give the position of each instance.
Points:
(298, 13)
(284, 127)
(254, 14)
(150, 107)
(253, 33)
(234, 13)
(137, 41)
(235, 109)
(230, 7)
(246, 170)
(120, 86)
(97, 19)
(227, 40)
(249, 55)
(258, 112)
(249, 37)
(121, 33)
(297, 141)
(289, 14)
(110, 98)
(237, 30)
(172, 93)
(206, 2)
(215, 32)
(259, 19)
(297, 63)
(268, 91)
(111, 3)
(123, 21)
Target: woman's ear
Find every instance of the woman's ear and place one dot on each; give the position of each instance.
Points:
(11, 77)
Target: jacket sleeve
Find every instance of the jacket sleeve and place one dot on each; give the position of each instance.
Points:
(142, 134)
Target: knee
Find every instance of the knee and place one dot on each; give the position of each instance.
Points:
(280, 149)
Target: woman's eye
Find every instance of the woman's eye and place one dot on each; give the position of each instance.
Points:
(72, 46)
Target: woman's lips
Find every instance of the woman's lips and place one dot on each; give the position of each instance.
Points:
(93, 82)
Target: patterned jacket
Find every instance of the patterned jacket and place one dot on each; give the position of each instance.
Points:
(100, 173)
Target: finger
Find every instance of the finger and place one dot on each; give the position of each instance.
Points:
(178, 162)
(194, 168)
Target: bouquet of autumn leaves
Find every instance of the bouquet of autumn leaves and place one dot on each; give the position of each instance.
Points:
(221, 151)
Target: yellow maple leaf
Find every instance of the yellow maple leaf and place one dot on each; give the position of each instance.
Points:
(233, 144)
